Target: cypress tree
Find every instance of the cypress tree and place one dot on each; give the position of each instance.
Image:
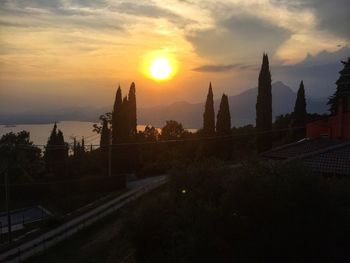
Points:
(300, 114)
(223, 122)
(132, 110)
(209, 114)
(83, 145)
(125, 120)
(116, 117)
(105, 136)
(264, 107)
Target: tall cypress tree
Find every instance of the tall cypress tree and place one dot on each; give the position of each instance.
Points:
(264, 107)
(209, 114)
(125, 120)
(117, 117)
(132, 110)
(105, 136)
(300, 114)
(223, 122)
(56, 152)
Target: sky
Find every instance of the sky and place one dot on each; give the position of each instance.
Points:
(62, 53)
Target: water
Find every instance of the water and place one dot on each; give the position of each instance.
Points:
(39, 133)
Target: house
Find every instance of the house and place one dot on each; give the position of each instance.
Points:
(337, 125)
(321, 155)
(326, 148)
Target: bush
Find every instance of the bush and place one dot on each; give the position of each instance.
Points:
(209, 213)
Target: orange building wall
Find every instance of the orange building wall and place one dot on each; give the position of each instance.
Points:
(335, 126)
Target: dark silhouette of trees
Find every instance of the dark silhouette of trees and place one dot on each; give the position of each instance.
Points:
(56, 153)
(264, 107)
(117, 117)
(223, 122)
(172, 130)
(299, 115)
(150, 133)
(20, 157)
(124, 125)
(132, 111)
(342, 91)
(209, 114)
(105, 136)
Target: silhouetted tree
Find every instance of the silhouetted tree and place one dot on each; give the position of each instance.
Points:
(20, 158)
(223, 122)
(150, 133)
(125, 124)
(56, 152)
(342, 91)
(299, 115)
(264, 107)
(132, 110)
(172, 130)
(105, 136)
(209, 114)
(97, 127)
(117, 117)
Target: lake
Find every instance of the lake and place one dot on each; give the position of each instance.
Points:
(39, 133)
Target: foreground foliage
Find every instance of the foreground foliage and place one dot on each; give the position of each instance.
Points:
(209, 213)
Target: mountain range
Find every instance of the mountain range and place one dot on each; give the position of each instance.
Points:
(242, 108)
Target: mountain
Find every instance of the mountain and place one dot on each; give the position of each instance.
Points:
(242, 107)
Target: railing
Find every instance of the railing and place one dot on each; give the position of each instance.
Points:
(52, 237)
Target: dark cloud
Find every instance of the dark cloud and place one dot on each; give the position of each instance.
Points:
(238, 37)
(221, 68)
(89, 3)
(57, 7)
(333, 16)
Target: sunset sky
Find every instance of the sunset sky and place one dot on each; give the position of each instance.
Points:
(75, 52)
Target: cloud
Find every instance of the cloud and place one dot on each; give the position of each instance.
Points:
(221, 68)
(238, 37)
(332, 16)
(148, 10)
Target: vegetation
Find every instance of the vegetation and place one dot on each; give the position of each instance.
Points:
(264, 107)
(209, 114)
(223, 123)
(209, 213)
(299, 114)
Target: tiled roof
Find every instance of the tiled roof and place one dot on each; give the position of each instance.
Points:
(294, 150)
(321, 155)
(331, 162)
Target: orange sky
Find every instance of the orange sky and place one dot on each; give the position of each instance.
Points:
(75, 52)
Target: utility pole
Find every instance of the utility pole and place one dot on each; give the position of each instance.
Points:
(7, 193)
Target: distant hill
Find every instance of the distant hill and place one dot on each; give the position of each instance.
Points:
(242, 107)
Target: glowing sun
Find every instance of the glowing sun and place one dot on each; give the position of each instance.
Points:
(160, 68)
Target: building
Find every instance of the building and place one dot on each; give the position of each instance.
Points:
(337, 124)
(326, 150)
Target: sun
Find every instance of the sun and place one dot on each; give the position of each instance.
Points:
(160, 68)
